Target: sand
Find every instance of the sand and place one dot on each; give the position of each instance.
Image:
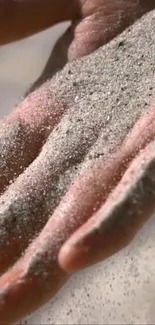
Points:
(105, 93)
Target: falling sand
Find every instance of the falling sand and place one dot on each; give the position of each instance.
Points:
(103, 95)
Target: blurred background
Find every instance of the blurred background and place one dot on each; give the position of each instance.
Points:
(22, 62)
(120, 290)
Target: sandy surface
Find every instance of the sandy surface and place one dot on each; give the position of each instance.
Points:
(120, 290)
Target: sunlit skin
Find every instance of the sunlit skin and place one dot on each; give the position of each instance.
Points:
(60, 252)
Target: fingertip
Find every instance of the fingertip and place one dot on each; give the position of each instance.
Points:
(72, 257)
(64, 259)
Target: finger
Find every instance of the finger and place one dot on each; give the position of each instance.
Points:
(25, 130)
(20, 19)
(117, 222)
(71, 256)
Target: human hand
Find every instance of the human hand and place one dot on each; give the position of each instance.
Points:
(41, 173)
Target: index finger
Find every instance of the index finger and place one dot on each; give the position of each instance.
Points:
(22, 18)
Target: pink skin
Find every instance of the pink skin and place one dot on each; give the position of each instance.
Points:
(60, 244)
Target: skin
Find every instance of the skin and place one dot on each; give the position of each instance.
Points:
(56, 250)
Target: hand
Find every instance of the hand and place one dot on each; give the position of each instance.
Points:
(34, 176)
